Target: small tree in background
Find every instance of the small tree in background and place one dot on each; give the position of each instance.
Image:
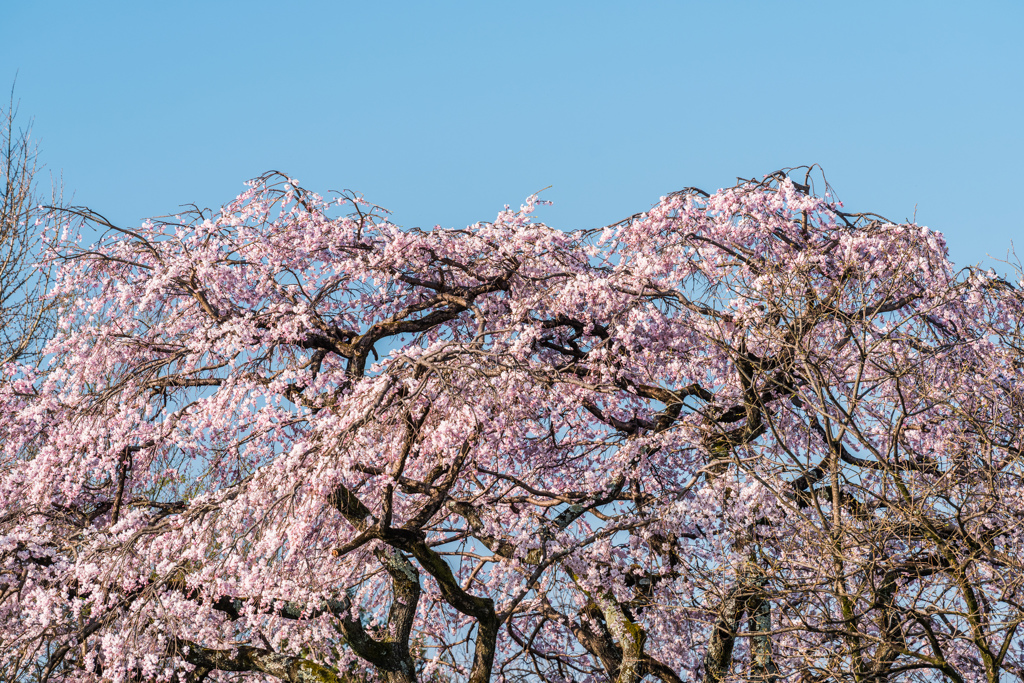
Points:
(741, 436)
(26, 316)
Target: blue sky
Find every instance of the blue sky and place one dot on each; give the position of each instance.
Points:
(444, 111)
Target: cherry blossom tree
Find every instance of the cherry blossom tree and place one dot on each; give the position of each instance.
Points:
(746, 435)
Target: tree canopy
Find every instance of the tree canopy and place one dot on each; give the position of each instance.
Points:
(745, 435)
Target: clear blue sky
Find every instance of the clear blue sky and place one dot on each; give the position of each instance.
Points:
(445, 111)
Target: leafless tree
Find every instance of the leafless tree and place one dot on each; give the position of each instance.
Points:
(26, 317)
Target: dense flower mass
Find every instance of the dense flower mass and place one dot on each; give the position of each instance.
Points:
(745, 435)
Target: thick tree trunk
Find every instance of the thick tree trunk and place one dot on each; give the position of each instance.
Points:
(630, 637)
(718, 656)
(762, 663)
